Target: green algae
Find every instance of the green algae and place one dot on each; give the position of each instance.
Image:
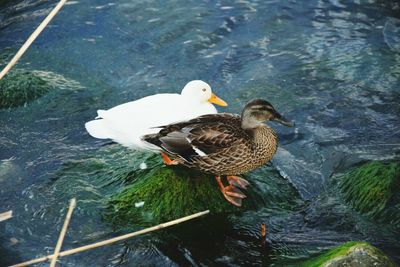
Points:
(167, 194)
(372, 189)
(338, 251)
(114, 180)
(346, 252)
(115, 177)
(19, 87)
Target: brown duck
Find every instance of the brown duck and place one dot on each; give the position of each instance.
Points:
(223, 144)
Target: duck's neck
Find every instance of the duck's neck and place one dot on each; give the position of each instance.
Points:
(265, 141)
(262, 134)
(196, 108)
(250, 123)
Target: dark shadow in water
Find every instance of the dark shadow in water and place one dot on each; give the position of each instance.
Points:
(7, 256)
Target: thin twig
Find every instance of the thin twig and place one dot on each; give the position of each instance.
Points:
(32, 38)
(5, 215)
(113, 240)
(72, 205)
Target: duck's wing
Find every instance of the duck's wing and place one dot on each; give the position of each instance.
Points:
(201, 136)
(203, 119)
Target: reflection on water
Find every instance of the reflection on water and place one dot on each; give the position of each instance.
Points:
(331, 66)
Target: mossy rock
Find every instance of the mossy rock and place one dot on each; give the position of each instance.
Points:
(19, 87)
(168, 193)
(354, 254)
(373, 189)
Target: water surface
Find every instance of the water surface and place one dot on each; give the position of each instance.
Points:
(331, 66)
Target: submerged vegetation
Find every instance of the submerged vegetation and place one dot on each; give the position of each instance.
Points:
(168, 193)
(20, 87)
(351, 254)
(372, 189)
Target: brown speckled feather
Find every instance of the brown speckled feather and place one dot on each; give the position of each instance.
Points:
(217, 144)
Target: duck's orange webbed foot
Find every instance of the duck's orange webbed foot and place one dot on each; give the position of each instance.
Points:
(231, 193)
(237, 181)
(167, 160)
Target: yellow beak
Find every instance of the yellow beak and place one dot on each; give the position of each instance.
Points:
(216, 100)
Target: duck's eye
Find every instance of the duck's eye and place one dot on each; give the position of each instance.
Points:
(204, 89)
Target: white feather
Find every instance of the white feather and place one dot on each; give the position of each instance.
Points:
(127, 123)
(199, 152)
(97, 129)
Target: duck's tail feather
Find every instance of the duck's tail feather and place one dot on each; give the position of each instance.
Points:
(151, 139)
(98, 129)
(100, 113)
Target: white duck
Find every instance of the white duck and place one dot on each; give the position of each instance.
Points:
(127, 123)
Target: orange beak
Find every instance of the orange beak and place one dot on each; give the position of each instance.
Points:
(216, 100)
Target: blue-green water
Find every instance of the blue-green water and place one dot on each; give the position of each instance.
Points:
(331, 66)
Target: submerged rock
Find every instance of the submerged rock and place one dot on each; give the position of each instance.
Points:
(372, 189)
(164, 194)
(352, 254)
(19, 87)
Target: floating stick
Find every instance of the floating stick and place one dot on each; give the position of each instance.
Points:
(5, 215)
(32, 38)
(72, 205)
(113, 240)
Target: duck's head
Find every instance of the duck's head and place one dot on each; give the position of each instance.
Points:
(200, 91)
(258, 111)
